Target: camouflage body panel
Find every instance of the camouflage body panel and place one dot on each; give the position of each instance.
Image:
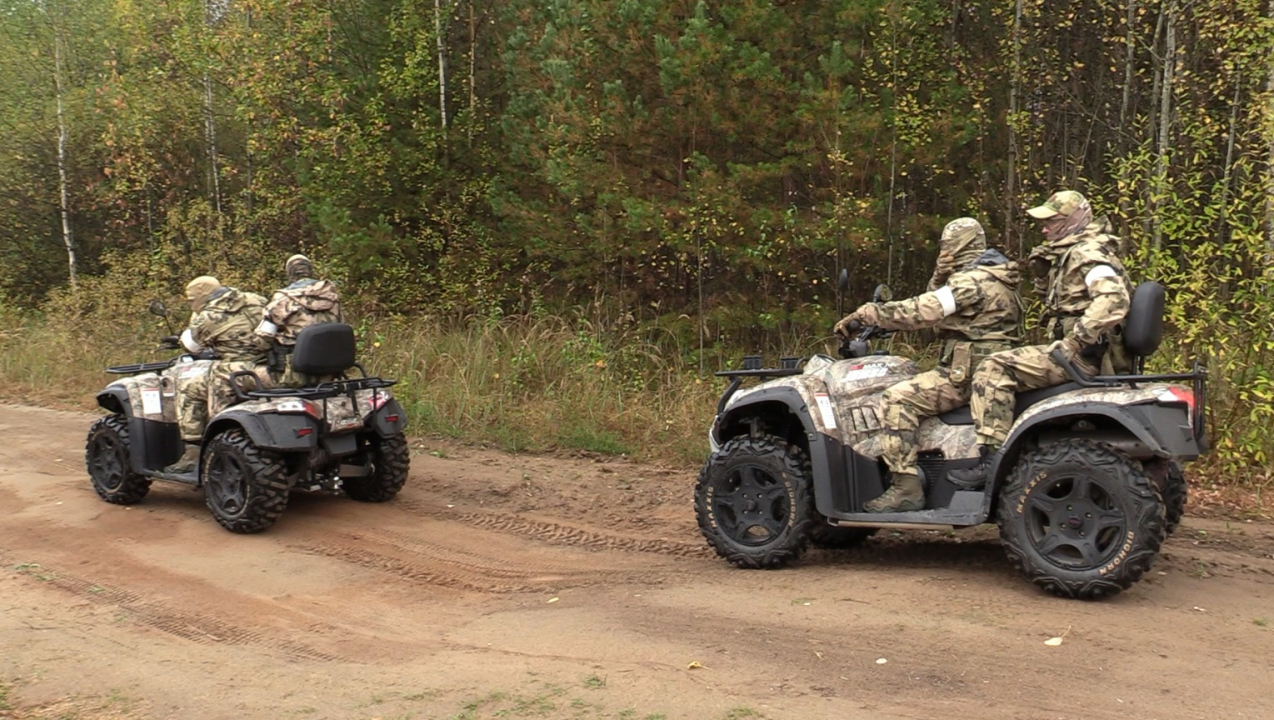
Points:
(304, 303)
(227, 325)
(157, 392)
(342, 416)
(1124, 395)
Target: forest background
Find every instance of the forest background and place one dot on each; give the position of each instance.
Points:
(554, 219)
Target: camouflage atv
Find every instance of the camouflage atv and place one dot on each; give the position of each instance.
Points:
(345, 435)
(1084, 491)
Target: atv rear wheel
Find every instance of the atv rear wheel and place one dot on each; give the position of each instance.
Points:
(830, 537)
(390, 460)
(1171, 481)
(246, 488)
(109, 462)
(1080, 519)
(754, 503)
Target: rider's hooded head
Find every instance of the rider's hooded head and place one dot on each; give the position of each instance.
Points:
(298, 267)
(200, 290)
(963, 241)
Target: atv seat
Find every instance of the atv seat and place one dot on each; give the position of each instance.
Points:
(324, 349)
(1143, 325)
(964, 416)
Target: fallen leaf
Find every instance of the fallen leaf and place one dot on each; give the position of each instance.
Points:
(1196, 607)
(694, 665)
(553, 600)
(1055, 641)
(881, 661)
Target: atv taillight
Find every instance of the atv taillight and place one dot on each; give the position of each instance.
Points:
(302, 432)
(1178, 395)
(391, 418)
(300, 406)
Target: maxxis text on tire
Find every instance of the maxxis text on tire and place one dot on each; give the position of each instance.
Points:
(1080, 519)
(830, 537)
(107, 457)
(391, 460)
(245, 487)
(754, 502)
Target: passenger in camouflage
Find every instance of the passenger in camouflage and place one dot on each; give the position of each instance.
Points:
(305, 301)
(973, 304)
(1087, 295)
(222, 320)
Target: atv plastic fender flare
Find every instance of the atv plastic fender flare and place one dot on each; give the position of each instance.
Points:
(389, 420)
(827, 453)
(1132, 419)
(284, 432)
(115, 399)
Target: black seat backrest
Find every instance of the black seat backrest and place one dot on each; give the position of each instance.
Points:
(1143, 327)
(325, 349)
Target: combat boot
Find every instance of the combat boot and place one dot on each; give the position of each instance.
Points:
(973, 478)
(904, 495)
(186, 463)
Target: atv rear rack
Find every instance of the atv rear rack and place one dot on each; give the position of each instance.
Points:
(321, 391)
(1198, 378)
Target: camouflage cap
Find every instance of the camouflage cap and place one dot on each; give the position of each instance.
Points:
(1059, 203)
(200, 289)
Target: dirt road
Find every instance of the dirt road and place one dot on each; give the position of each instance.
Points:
(518, 587)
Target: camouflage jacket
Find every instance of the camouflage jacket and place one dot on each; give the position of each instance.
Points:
(226, 325)
(303, 303)
(1088, 288)
(978, 303)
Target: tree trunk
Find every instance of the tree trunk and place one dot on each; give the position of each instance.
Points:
(213, 10)
(473, 62)
(1015, 82)
(1130, 56)
(1269, 169)
(1165, 120)
(442, 63)
(63, 205)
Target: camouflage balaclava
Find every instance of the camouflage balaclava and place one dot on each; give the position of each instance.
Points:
(298, 267)
(1064, 214)
(963, 241)
(200, 290)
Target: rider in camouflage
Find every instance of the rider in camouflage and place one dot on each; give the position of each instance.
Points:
(1087, 296)
(973, 304)
(305, 301)
(221, 320)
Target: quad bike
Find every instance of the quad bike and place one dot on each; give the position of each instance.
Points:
(343, 435)
(1085, 490)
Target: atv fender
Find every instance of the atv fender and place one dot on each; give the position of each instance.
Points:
(827, 453)
(270, 431)
(115, 399)
(389, 420)
(1143, 430)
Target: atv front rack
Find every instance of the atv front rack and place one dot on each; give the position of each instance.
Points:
(140, 368)
(789, 366)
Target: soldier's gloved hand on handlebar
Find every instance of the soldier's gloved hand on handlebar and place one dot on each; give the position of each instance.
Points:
(169, 342)
(866, 314)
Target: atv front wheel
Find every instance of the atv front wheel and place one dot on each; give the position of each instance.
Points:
(106, 454)
(246, 488)
(390, 461)
(754, 503)
(1080, 519)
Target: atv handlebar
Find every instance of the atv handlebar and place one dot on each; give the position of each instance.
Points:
(855, 347)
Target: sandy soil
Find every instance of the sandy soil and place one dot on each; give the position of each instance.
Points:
(576, 587)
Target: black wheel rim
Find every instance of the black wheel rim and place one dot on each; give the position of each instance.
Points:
(227, 482)
(107, 462)
(1074, 523)
(752, 507)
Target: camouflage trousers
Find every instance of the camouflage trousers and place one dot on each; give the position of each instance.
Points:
(292, 378)
(1001, 376)
(202, 395)
(905, 404)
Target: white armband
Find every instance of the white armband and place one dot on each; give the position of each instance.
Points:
(947, 298)
(267, 328)
(1099, 272)
(189, 341)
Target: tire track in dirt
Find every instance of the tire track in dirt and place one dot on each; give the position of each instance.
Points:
(186, 624)
(415, 572)
(555, 533)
